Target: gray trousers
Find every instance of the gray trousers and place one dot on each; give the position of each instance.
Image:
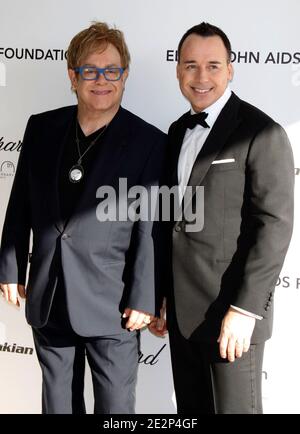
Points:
(207, 384)
(113, 361)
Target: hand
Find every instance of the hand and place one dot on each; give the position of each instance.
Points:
(11, 291)
(136, 319)
(235, 335)
(158, 326)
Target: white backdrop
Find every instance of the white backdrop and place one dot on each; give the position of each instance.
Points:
(269, 30)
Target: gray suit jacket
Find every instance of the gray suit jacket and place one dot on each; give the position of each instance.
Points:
(248, 213)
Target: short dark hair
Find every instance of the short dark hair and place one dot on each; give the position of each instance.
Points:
(206, 30)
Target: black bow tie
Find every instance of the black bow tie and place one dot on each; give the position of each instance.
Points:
(198, 119)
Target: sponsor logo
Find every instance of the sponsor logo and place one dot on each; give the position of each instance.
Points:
(14, 348)
(10, 146)
(52, 54)
(276, 58)
(288, 282)
(7, 170)
(151, 359)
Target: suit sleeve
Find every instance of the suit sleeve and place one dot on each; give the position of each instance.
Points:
(269, 221)
(146, 244)
(16, 229)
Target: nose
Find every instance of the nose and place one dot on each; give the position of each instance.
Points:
(202, 74)
(101, 79)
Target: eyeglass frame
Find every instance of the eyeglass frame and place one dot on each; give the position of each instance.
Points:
(99, 71)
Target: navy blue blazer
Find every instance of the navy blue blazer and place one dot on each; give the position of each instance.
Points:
(107, 266)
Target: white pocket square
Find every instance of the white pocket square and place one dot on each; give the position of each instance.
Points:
(227, 160)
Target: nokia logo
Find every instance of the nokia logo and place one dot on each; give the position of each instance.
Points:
(14, 348)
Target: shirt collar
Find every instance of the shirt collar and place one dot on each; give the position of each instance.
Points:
(214, 110)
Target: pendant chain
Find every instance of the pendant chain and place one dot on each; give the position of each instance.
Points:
(90, 145)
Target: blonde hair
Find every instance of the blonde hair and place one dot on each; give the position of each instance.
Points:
(95, 38)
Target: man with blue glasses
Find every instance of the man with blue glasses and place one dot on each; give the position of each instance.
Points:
(91, 282)
(93, 73)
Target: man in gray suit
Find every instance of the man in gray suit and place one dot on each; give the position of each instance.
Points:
(91, 282)
(220, 300)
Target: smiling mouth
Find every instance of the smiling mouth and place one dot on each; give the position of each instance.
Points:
(201, 91)
(100, 92)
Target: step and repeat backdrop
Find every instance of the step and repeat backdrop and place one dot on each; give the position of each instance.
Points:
(265, 38)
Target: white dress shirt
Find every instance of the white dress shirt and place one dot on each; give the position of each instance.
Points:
(194, 140)
(192, 144)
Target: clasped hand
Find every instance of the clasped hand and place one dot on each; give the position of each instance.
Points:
(12, 291)
(136, 319)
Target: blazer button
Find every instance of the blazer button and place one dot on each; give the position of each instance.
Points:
(177, 228)
(65, 236)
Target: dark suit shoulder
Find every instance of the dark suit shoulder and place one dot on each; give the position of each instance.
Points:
(141, 126)
(54, 114)
(53, 118)
(253, 116)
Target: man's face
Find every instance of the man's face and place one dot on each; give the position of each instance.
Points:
(203, 71)
(100, 95)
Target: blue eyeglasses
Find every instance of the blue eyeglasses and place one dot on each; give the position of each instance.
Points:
(93, 73)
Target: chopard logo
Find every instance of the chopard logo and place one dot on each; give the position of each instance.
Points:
(151, 359)
(10, 146)
(7, 169)
(14, 348)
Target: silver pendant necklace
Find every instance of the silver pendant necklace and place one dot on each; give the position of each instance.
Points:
(76, 172)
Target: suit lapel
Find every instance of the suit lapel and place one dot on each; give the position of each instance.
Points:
(225, 124)
(62, 129)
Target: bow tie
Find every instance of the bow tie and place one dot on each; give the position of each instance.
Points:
(198, 119)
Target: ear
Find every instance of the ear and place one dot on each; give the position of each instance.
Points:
(230, 72)
(73, 78)
(125, 76)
